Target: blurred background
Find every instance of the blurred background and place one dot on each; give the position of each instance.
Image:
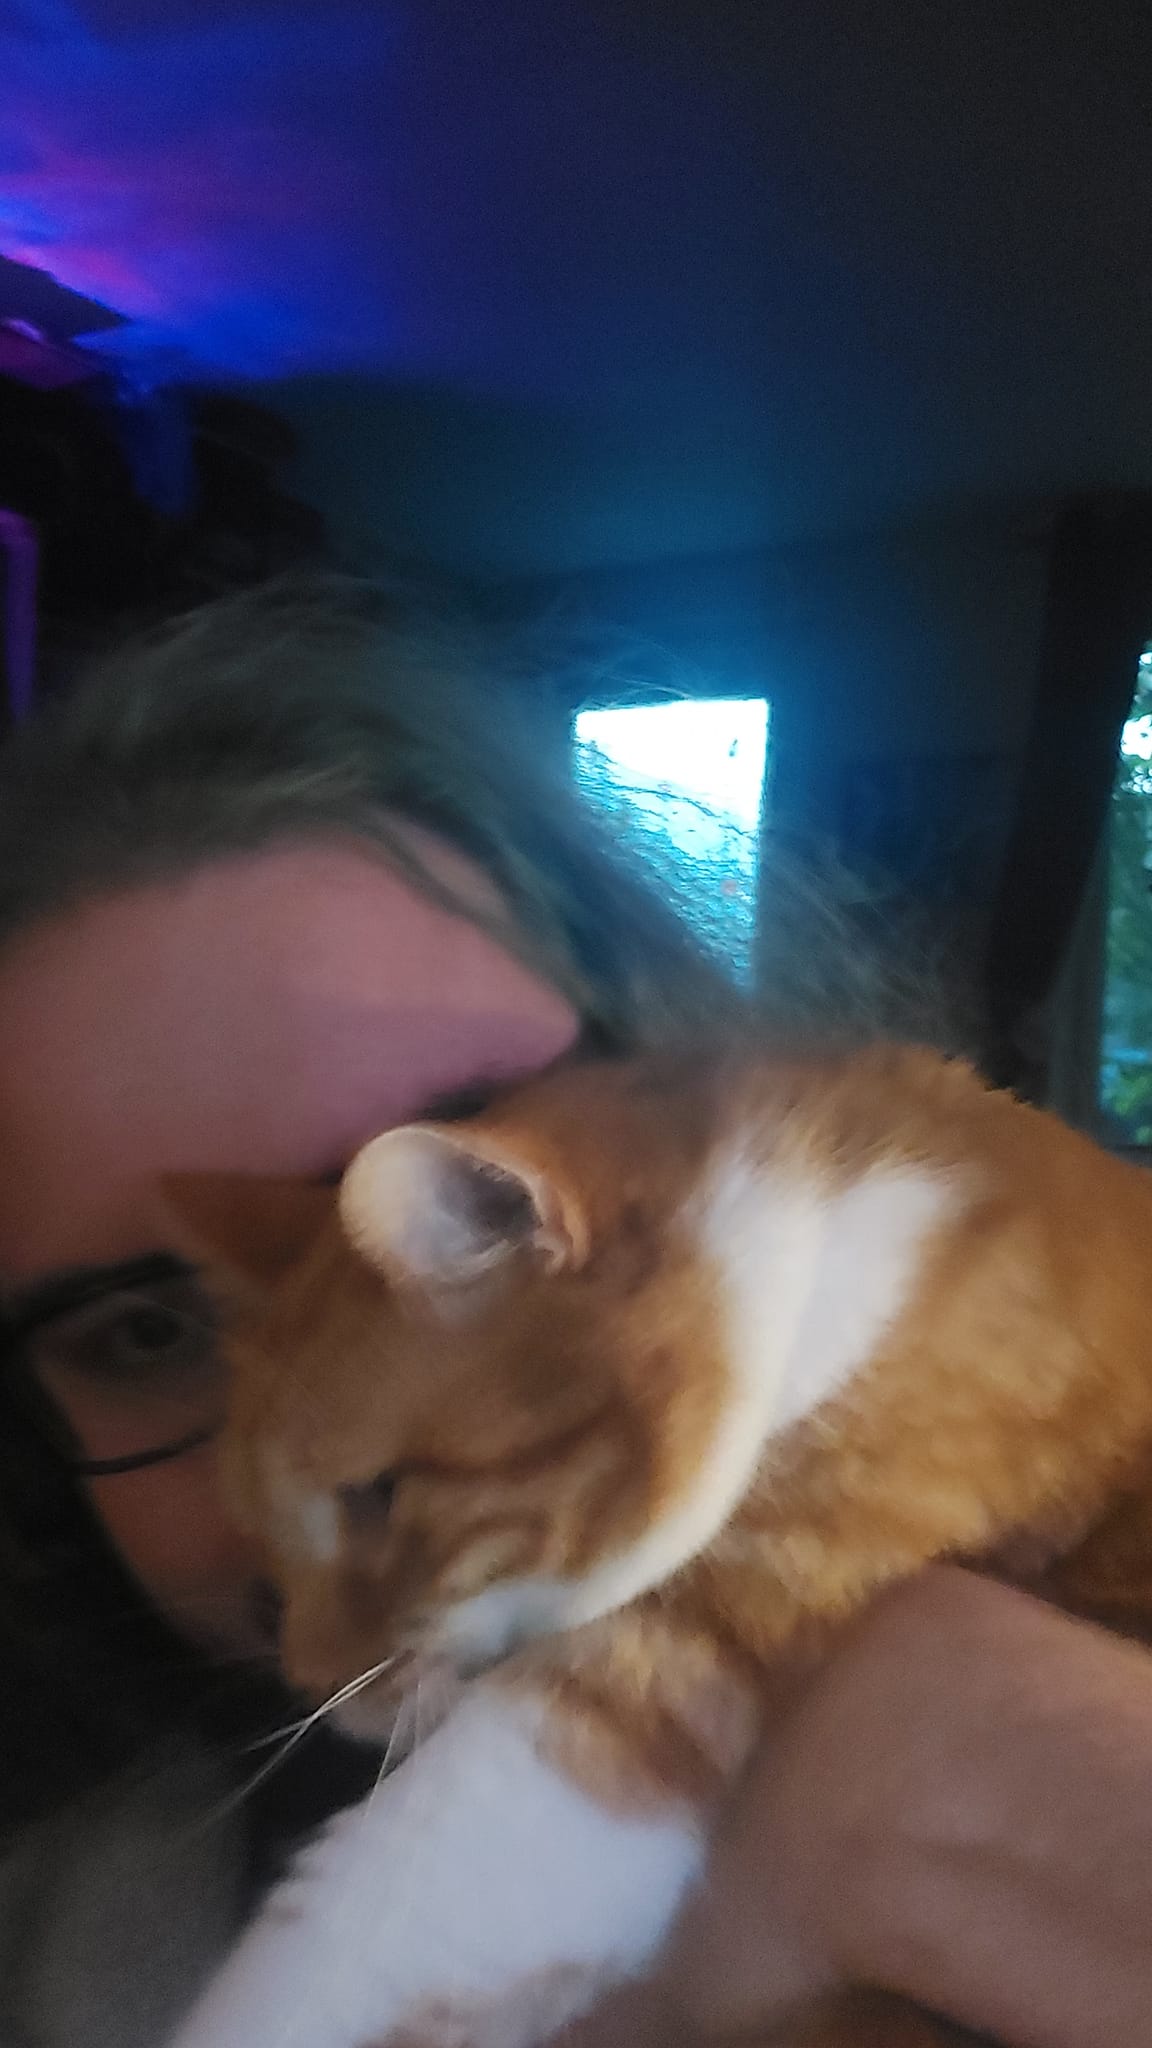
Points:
(793, 359)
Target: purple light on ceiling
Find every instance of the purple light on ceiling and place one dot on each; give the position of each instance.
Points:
(498, 197)
(32, 359)
(196, 179)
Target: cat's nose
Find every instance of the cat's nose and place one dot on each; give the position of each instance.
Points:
(369, 1503)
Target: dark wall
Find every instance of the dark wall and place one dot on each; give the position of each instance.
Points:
(901, 671)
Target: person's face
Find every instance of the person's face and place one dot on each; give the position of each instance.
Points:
(266, 1014)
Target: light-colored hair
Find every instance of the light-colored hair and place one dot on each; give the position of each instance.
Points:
(304, 710)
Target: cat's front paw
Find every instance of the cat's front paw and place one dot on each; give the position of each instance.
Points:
(528, 2014)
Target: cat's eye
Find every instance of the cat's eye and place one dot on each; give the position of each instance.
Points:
(368, 1504)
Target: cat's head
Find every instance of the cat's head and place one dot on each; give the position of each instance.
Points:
(479, 1388)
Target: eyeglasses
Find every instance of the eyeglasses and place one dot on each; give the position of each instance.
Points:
(117, 1377)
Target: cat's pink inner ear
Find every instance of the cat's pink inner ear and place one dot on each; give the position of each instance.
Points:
(439, 1205)
(249, 1229)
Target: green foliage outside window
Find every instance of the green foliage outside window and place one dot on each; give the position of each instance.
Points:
(1126, 1054)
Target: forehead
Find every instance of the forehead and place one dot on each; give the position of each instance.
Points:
(266, 1014)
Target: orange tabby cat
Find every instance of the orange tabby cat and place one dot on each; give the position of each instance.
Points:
(567, 1423)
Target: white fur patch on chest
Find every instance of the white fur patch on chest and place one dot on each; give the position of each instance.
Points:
(491, 1624)
(478, 1895)
(808, 1281)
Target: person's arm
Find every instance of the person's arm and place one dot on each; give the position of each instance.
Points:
(958, 1808)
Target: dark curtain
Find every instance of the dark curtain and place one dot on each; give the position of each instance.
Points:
(1098, 619)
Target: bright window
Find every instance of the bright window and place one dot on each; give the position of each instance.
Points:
(1126, 1042)
(692, 772)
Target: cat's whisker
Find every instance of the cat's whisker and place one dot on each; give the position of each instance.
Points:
(395, 1742)
(395, 1739)
(292, 1741)
(441, 1692)
(417, 1729)
(315, 1714)
(420, 1703)
(274, 1735)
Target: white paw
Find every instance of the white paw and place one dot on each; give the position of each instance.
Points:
(528, 2014)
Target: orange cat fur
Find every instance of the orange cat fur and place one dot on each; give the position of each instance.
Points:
(623, 1388)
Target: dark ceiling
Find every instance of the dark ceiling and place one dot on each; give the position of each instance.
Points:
(549, 283)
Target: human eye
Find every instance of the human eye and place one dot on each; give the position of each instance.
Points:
(161, 1337)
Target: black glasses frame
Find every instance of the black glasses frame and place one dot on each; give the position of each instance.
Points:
(35, 1406)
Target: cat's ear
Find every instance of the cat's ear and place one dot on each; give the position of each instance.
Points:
(439, 1206)
(248, 1229)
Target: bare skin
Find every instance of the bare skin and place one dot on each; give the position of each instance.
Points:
(959, 1807)
(266, 1016)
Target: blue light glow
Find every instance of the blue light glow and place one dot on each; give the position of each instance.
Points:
(196, 179)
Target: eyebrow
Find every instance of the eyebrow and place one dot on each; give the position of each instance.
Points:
(74, 1287)
(453, 1107)
(456, 1104)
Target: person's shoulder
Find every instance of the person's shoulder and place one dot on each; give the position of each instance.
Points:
(114, 1910)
